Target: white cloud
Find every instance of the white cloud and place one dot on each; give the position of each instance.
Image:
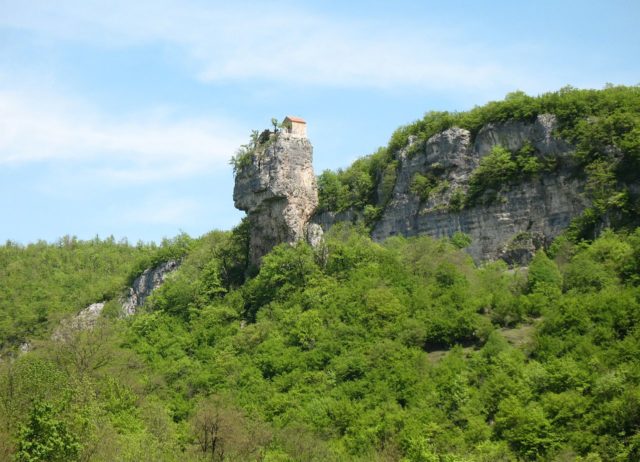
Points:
(275, 42)
(144, 147)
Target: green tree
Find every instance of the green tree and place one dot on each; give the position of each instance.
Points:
(543, 273)
(332, 192)
(45, 438)
(526, 428)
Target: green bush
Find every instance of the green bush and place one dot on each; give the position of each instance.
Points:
(461, 240)
(543, 273)
(495, 170)
(45, 438)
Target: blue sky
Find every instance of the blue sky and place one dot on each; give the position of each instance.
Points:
(119, 117)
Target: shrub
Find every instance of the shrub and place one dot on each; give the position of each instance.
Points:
(46, 438)
(543, 272)
(461, 240)
(494, 171)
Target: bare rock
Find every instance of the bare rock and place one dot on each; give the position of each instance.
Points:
(278, 191)
(145, 284)
(314, 235)
(86, 319)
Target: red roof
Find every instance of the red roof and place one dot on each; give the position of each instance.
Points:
(295, 119)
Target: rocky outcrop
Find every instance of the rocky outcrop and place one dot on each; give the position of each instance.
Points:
(535, 210)
(143, 285)
(85, 319)
(277, 189)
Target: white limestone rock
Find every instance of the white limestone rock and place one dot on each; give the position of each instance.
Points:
(279, 193)
(145, 284)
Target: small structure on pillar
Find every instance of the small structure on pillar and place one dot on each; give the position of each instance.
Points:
(276, 186)
(295, 126)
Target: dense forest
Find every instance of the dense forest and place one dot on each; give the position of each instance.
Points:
(402, 350)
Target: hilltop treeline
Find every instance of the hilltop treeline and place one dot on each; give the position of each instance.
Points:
(42, 282)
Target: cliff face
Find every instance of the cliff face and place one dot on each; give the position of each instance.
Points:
(145, 284)
(278, 191)
(86, 319)
(522, 217)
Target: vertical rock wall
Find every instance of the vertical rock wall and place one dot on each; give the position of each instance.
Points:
(537, 209)
(278, 191)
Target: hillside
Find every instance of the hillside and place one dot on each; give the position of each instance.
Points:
(354, 349)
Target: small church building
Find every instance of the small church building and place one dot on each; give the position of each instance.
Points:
(295, 126)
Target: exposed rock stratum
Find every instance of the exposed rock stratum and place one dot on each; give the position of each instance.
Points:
(526, 215)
